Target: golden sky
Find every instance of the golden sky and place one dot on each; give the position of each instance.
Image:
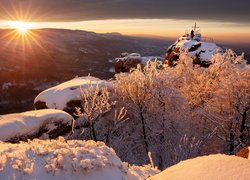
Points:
(160, 28)
(220, 32)
(223, 20)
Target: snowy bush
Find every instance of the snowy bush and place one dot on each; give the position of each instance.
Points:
(95, 103)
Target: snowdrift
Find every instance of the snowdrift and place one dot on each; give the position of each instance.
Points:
(208, 167)
(67, 96)
(47, 123)
(58, 159)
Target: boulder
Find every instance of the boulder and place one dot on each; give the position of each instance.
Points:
(49, 123)
(127, 61)
(67, 96)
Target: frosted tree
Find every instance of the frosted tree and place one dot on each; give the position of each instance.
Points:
(151, 95)
(220, 96)
(95, 103)
(136, 88)
(231, 103)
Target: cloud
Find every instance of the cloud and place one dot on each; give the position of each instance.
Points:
(236, 11)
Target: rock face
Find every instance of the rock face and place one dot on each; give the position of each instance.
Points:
(67, 96)
(49, 123)
(200, 51)
(128, 61)
(208, 167)
(244, 153)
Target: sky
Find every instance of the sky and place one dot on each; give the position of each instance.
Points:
(223, 20)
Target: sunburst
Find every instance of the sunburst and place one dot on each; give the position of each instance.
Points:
(23, 37)
(21, 27)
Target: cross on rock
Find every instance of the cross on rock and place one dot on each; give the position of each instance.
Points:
(195, 27)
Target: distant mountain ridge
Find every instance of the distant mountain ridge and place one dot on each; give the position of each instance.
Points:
(71, 52)
(51, 56)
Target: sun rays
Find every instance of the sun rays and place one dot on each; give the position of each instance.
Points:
(21, 38)
(20, 22)
(21, 27)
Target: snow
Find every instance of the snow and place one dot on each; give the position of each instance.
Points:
(197, 47)
(29, 123)
(61, 160)
(213, 167)
(57, 97)
(208, 48)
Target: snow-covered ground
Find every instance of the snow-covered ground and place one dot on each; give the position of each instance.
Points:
(57, 97)
(26, 124)
(63, 160)
(212, 167)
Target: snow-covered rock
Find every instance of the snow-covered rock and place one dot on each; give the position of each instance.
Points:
(214, 167)
(64, 160)
(67, 96)
(127, 61)
(6, 86)
(200, 51)
(49, 123)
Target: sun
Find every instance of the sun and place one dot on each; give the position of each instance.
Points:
(22, 27)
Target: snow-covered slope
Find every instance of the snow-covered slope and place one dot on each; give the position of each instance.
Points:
(212, 167)
(14, 127)
(64, 160)
(57, 97)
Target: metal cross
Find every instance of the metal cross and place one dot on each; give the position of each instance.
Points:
(195, 27)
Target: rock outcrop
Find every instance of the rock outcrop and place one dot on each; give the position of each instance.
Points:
(127, 61)
(201, 50)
